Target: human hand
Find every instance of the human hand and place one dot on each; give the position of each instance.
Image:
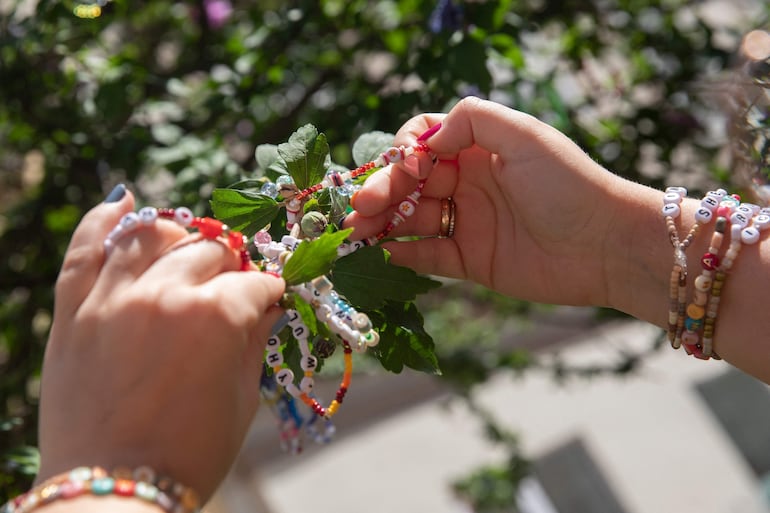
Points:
(533, 211)
(155, 353)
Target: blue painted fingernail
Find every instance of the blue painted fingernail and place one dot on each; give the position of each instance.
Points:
(116, 194)
(280, 324)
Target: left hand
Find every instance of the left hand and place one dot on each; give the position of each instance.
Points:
(155, 353)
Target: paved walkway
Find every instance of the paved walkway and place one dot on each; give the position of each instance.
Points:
(651, 435)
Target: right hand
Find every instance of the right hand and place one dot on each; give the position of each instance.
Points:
(534, 212)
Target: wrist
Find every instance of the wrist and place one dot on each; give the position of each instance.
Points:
(638, 255)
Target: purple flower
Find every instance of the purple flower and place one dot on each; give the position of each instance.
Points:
(217, 12)
(446, 16)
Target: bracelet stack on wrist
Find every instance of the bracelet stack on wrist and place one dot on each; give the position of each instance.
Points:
(692, 324)
(141, 483)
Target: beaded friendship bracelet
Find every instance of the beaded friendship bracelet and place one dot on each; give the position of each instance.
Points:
(208, 227)
(354, 329)
(142, 483)
(693, 325)
(678, 284)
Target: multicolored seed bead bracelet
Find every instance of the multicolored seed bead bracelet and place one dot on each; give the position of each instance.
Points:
(209, 228)
(678, 283)
(696, 310)
(142, 483)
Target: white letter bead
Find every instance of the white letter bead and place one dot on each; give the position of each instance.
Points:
(183, 216)
(710, 202)
(671, 210)
(750, 235)
(307, 384)
(765, 211)
(672, 197)
(762, 222)
(284, 377)
(273, 342)
(681, 191)
(274, 358)
(308, 362)
(704, 215)
(300, 332)
(148, 215)
(746, 208)
(740, 219)
(129, 221)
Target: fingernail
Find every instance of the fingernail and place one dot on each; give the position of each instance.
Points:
(429, 132)
(280, 324)
(341, 222)
(116, 194)
(412, 164)
(353, 201)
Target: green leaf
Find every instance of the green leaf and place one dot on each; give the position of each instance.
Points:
(403, 339)
(244, 211)
(313, 258)
(306, 156)
(368, 280)
(266, 155)
(370, 145)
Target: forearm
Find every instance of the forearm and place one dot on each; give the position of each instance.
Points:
(639, 264)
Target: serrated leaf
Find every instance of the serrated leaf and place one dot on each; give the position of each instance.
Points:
(403, 339)
(367, 280)
(244, 211)
(313, 258)
(370, 145)
(306, 155)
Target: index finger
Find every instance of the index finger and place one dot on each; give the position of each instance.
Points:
(85, 254)
(489, 125)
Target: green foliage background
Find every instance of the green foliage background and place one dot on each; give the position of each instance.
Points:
(174, 102)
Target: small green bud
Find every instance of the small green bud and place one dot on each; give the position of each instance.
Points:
(313, 224)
